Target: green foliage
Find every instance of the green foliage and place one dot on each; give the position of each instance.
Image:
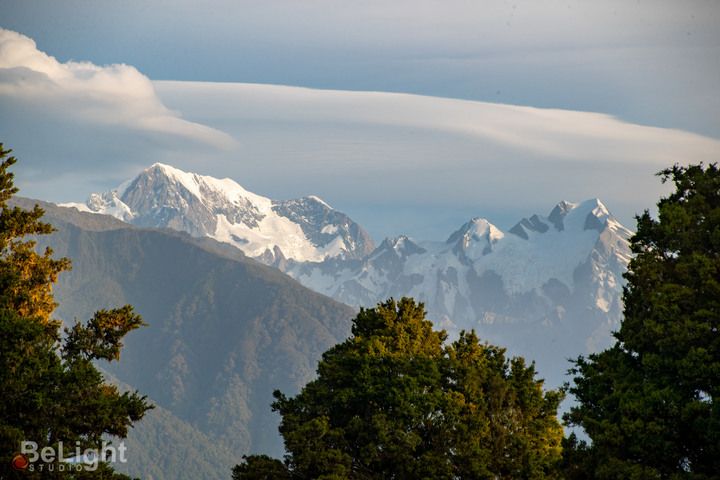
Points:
(649, 403)
(393, 401)
(26, 278)
(100, 337)
(260, 467)
(51, 391)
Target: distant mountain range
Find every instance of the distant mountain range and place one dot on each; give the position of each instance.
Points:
(552, 280)
(481, 275)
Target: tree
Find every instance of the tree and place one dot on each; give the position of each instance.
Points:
(51, 390)
(393, 401)
(649, 403)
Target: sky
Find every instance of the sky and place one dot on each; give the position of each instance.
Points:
(410, 116)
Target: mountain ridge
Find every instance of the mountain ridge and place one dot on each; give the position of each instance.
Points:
(531, 253)
(269, 230)
(560, 272)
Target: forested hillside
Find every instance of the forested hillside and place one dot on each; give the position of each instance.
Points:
(223, 331)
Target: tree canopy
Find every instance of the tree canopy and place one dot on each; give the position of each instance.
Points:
(649, 403)
(394, 401)
(51, 390)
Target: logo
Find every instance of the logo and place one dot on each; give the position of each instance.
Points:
(49, 459)
(20, 462)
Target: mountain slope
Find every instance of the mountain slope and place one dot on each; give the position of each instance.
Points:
(304, 229)
(224, 331)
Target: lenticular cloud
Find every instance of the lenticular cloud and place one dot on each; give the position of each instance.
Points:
(115, 95)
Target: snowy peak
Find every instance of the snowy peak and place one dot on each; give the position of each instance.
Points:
(109, 203)
(477, 229)
(558, 214)
(169, 186)
(525, 227)
(402, 247)
(304, 229)
(322, 225)
(475, 238)
(588, 215)
(598, 217)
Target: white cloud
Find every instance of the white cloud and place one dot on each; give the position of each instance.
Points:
(113, 95)
(650, 62)
(559, 134)
(399, 149)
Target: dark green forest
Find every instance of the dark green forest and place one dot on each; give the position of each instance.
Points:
(649, 403)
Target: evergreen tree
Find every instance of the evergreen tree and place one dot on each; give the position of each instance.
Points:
(649, 403)
(50, 390)
(393, 401)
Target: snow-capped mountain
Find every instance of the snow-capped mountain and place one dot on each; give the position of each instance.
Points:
(480, 274)
(304, 229)
(549, 288)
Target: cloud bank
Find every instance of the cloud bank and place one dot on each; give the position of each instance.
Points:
(648, 62)
(113, 95)
(374, 148)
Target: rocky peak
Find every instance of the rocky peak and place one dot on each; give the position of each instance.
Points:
(527, 225)
(558, 214)
(403, 247)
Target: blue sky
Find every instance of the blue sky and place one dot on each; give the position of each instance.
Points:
(620, 89)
